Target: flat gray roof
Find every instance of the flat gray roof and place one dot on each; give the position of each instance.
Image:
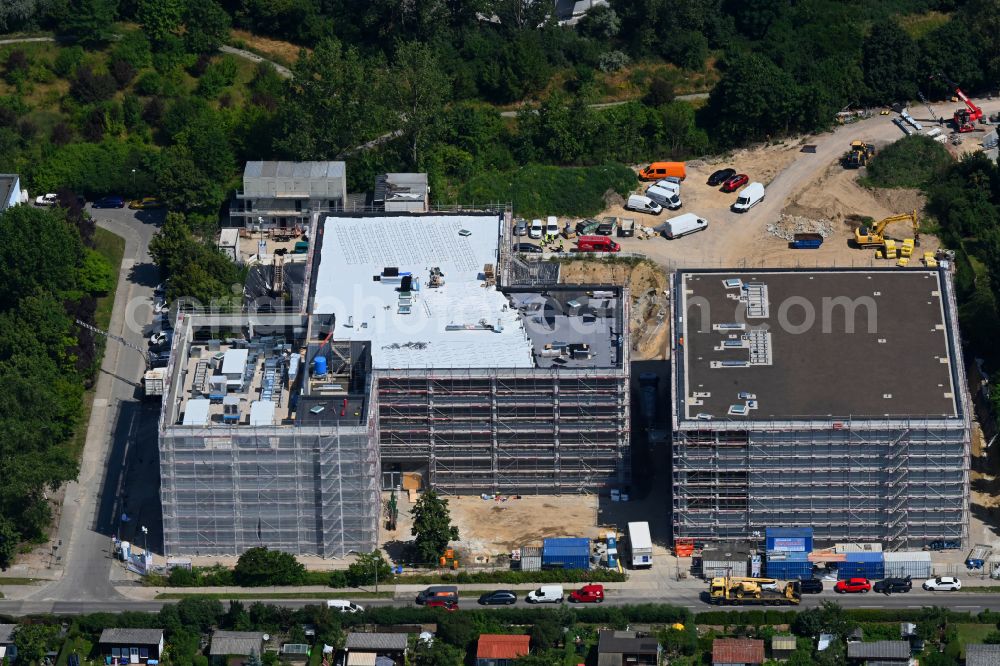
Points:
(814, 344)
(283, 169)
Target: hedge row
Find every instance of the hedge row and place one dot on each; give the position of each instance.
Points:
(641, 613)
(757, 618)
(513, 577)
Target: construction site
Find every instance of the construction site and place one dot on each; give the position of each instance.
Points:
(791, 406)
(410, 355)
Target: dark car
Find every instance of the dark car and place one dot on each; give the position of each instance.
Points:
(944, 544)
(526, 247)
(498, 598)
(811, 586)
(721, 176)
(891, 585)
(735, 182)
(159, 359)
(109, 202)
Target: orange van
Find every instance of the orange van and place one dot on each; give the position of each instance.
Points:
(660, 170)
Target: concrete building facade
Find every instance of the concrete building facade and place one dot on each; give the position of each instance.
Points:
(285, 195)
(828, 399)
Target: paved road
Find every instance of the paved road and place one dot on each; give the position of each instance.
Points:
(94, 500)
(971, 602)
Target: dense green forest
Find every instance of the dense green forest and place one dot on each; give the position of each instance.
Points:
(51, 275)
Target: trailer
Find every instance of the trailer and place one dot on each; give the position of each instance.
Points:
(640, 545)
(153, 381)
(754, 591)
(977, 556)
(806, 241)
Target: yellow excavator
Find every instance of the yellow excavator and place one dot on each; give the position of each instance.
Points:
(874, 236)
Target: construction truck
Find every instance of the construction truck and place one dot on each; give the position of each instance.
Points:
(746, 591)
(964, 119)
(859, 155)
(868, 236)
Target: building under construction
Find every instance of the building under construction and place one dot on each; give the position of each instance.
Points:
(830, 399)
(408, 355)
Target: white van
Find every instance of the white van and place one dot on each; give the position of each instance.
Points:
(536, 229)
(749, 196)
(552, 225)
(688, 223)
(641, 204)
(343, 606)
(667, 198)
(546, 594)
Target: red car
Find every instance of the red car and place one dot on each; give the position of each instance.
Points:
(853, 585)
(446, 604)
(588, 594)
(735, 183)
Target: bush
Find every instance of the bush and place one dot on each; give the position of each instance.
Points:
(913, 161)
(16, 67)
(218, 75)
(123, 72)
(612, 61)
(89, 87)
(67, 61)
(548, 190)
(259, 566)
(133, 48)
(149, 84)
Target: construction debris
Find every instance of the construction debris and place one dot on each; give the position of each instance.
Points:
(788, 225)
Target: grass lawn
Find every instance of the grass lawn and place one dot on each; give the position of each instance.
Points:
(973, 633)
(112, 248)
(20, 581)
(78, 645)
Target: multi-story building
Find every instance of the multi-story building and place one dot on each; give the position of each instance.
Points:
(834, 399)
(285, 195)
(408, 356)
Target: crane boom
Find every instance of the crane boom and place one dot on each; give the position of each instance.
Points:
(116, 338)
(964, 119)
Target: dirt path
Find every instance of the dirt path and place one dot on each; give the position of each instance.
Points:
(253, 57)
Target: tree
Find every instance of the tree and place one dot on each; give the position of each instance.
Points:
(890, 60)
(89, 86)
(206, 26)
(753, 100)
(363, 571)
(334, 103)
(32, 641)
(90, 22)
(432, 526)
(436, 653)
(545, 633)
(260, 566)
(160, 18)
(9, 537)
(457, 629)
(237, 618)
(199, 615)
(419, 91)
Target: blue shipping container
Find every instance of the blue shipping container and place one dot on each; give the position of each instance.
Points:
(862, 565)
(789, 539)
(788, 566)
(566, 553)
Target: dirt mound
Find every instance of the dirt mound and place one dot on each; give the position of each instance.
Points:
(788, 225)
(837, 196)
(612, 198)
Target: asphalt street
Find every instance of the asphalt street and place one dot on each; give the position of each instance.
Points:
(959, 601)
(95, 501)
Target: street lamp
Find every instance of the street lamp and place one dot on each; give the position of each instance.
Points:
(144, 533)
(134, 193)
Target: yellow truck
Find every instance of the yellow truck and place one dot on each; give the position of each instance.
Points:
(749, 591)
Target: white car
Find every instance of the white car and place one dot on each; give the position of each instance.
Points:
(536, 229)
(160, 306)
(943, 583)
(161, 338)
(552, 225)
(47, 200)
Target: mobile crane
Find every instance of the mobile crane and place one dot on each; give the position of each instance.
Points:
(964, 119)
(874, 236)
(761, 591)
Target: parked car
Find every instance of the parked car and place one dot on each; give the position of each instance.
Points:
(521, 228)
(811, 586)
(944, 544)
(109, 202)
(943, 584)
(891, 585)
(735, 182)
(719, 177)
(161, 338)
(146, 203)
(449, 605)
(47, 199)
(536, 229)
(159, 360)
(546, 594)
(642, 204)
(526, 247)
(448, 592)
(852, 585)
(498, 598)
(552, 226)
(588, 594)
(749, 196)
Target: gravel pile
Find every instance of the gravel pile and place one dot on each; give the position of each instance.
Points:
(788, 225)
